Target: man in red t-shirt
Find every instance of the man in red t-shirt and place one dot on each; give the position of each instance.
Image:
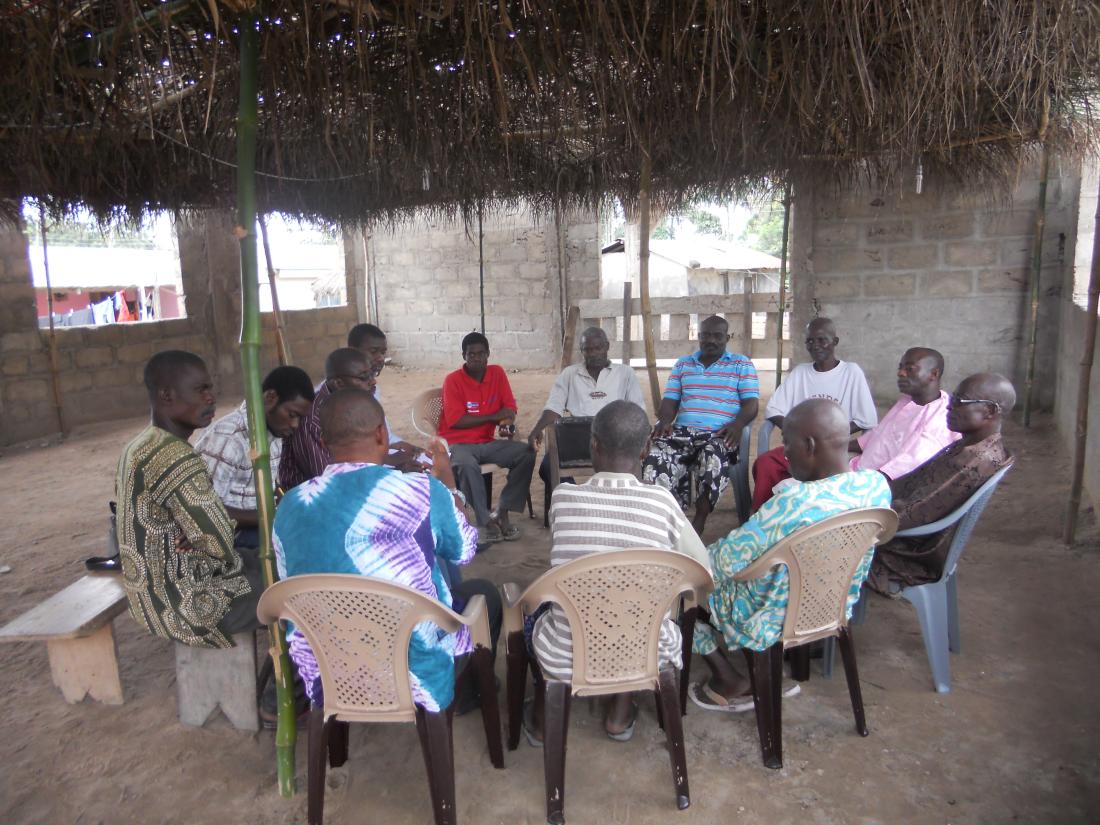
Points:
(477, 399)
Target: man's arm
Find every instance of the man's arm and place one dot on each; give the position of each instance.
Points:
(456, 538)
(666, 414)
(206, 524)
(731, 432)
(778, 420)
(548, 417)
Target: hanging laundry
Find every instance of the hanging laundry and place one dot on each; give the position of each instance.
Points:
(122, 308)
(103, 312)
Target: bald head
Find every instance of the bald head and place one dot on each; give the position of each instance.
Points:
(351, 418)
(815, 438)
(919, 372)
(991, 386)
(620, 436)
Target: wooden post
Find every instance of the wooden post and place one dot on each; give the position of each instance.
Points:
(1084, 382)
(280, 331)
(55, 378)
(627, 286)
(782, 285)
(1036, 270)
(286, 733)
(746, 319)
(643, 281)
(570, 333)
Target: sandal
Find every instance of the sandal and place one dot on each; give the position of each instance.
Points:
(709, 699)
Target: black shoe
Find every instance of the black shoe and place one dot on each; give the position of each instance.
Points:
(110, 564)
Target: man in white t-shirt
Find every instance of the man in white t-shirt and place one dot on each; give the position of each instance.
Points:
(826, 377)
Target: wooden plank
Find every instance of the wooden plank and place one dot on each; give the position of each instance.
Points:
(676, 349)
(677, 327)
(79, 610)
(88, 665)
(703, 305)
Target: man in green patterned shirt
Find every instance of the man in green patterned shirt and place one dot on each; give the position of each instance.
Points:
(184, 579)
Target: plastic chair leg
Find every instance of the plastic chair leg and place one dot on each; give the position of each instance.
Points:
(337, 743)
(954, 639)
(490, 706)
(930, 600)
(516, 686)
(438, 749)
(555, 734)
(800, 663)
(828, 657)
(687, 633)
(766, 671)
(316, 764)
(668, 696)
(851, 673)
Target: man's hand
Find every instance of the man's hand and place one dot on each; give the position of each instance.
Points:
(662, 428)
(730, 433)
(441, 463)
(534, 440)
(183, 545)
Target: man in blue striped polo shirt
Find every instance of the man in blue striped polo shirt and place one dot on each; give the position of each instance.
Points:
(710, 398)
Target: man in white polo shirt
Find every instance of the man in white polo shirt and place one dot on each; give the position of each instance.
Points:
(584, 389)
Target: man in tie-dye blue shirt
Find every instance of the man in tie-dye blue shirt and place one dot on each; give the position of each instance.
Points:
(363, 518)
(750, 614)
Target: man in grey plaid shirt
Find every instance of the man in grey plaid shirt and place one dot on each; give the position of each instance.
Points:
(224, 446)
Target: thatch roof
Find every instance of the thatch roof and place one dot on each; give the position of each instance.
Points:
(373, 108)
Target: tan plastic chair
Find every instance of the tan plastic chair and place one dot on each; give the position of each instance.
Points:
(359, 630)
(615, 602)
(821, 561)
(426, 411)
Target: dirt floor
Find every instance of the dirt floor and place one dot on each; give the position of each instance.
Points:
(1016, 739)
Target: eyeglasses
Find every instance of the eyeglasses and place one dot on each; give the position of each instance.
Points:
(366, 377)
(954, 400)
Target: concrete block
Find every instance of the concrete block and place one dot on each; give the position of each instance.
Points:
(209, 679)
(78, 380)
(94, 357)
(135, 353)
(20, 342)
(970, 254)
(14, 365)
(843, 287)
(948, 284)
(924, 256)
(506, 253)
(889, 286)
(534, 271)
(887, 232)
(69, 339)
(836, 233)
(946, 227)
(1015, 223)
(110, 335)
(28, 391)
(1018, 253)
(1003, 279)
(846, 260)
(504, 306)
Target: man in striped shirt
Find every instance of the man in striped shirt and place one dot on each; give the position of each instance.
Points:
(611, 511)
(711, 396)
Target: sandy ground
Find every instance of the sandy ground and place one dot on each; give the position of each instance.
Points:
(1014, 741)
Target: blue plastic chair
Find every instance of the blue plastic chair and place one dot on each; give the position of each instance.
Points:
(937, 603)
(739, 476)
(764, 437)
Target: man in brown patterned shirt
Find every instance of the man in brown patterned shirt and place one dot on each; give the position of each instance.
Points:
(183, 577)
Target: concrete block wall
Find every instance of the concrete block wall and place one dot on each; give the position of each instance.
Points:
(426, 274)
(100, 368)
(947, 268)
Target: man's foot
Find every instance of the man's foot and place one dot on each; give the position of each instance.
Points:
(703, 695)
(620, 718)
(532, 728)
(504, 528)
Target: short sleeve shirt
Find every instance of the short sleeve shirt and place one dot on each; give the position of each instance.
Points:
(575, 391)
(710, 397)
(462, 395)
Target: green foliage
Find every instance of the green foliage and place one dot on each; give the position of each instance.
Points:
(764, 231)
(664, 231)
(705, 223)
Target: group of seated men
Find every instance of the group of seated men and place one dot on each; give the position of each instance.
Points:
(359, 499)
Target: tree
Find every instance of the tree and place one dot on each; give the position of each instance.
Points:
(705, 223)
(764, 231)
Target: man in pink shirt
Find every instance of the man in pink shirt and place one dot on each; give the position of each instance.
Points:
(915, 428)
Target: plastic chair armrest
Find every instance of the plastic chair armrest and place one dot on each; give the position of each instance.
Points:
(935, 527)
(476, 617)
(758, 569)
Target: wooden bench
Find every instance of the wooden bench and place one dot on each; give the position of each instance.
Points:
(212, 678)
(77, 627)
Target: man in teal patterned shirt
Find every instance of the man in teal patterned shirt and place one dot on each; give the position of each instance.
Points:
(750, 614)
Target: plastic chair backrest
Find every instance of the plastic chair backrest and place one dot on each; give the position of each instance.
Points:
(764, 437)
(970, 512)
(427, 410)
(358, 628)
(821, 560)
(615, 601)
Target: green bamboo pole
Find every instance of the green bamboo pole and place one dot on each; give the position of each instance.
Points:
(286, 734)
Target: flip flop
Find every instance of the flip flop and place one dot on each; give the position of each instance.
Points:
(708, 699)
(512, 533)
(489, 534)
(627, 733)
